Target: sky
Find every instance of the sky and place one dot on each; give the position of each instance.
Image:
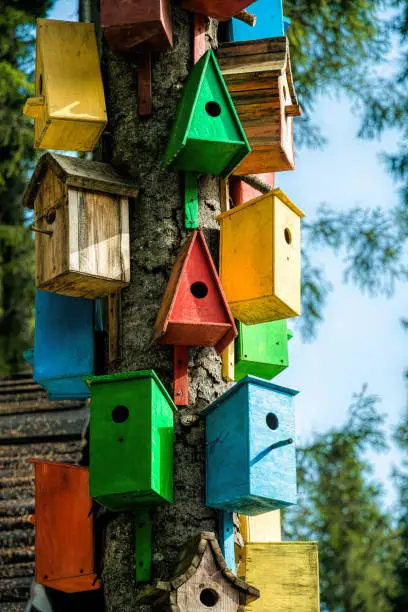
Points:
(360, 340)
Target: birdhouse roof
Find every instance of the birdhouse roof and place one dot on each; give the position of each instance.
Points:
(253, 380)
(78, 173)
(188, 563)
(275, 192)
(126, 376)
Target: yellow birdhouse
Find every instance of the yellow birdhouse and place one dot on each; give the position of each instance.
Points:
(260, 528)
(287, 575)
(260, 258)
(69, 105)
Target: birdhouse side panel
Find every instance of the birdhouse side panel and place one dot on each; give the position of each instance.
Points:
(66, 135)
(162, 444)
(40, 121)
(265, 344)
(272, 454)
(287, 120)
(51, 215)
(227, 452)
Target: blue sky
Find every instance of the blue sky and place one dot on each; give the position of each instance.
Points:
(360, 340)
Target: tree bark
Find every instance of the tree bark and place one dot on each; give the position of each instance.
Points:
(157, 233)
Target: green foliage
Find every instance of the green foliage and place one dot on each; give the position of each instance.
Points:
(342, 509)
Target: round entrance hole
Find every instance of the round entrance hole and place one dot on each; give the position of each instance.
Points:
(213, 109)
(199, 290)
(272, 421)
(209, 597)
(50, 216)
(120, 414)
(288, 235)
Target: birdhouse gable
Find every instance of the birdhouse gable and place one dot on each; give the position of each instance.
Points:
(218, 9)
(207, 135)
(194, 311)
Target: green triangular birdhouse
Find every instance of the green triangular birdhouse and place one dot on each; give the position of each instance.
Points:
(207, 135)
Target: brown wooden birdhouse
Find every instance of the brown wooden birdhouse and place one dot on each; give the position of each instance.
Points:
(219, 9)
(201, 581)
(82, 226)
(259, 78)
(140, 23)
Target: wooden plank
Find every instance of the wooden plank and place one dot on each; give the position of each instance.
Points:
(191, 200)
(143, 533)
(228, 363)
(114, 326)
(17, 427)
(144, 81)
(226, 529)
(180, 375)
(225, 195)
(199, 37)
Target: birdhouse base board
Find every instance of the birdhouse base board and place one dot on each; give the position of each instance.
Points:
(263, 160)
(119, 502)
(152, 37)
(262, 370)
(66, 388)
(262, 310)
(194, 334)
(76, 584)
(64, 135)
(209, 157)
(77, 284)
(250, 505)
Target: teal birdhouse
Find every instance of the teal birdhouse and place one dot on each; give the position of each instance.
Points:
(261, 350)
(207, 135)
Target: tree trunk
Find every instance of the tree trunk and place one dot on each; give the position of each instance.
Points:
(136, 148)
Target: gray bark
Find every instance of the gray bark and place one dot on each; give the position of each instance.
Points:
(157, 233)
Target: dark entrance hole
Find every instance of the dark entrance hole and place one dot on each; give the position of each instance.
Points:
(120, 414)
(272, 421)
(209, 597)
(213, 109)
(199, 290)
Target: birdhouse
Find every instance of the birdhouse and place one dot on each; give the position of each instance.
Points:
(207, 135)
(251, 455)
(287, 574)
(82, 226)
(214, 8)
(261, 528)
(259, 78)
(131, 440)
(64, 345)
(64, 527)
(69, 104)
(269, 22)
(201, 581)
(261, 350)
(140, 23)
(260, 258)
(194, 311)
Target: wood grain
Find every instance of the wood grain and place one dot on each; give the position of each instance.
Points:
(180, 375)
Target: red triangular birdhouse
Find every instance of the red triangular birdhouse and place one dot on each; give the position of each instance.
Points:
(194, 311)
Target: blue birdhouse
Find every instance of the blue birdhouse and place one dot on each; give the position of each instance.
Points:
(63, 351)
(270, 22)
(251, 454)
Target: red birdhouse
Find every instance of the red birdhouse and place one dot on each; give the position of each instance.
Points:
(194, 311)
(64, 537)
(221, 10)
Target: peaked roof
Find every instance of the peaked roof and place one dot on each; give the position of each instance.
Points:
(187, 564)
(79, 173)
(187, 107)
(170, 299)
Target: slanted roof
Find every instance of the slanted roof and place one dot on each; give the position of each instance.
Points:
(79, 173)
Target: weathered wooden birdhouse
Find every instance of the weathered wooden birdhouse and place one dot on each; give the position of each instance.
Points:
(207, 135)
(261, 350)
(69, 104)
(64, 342)
(287, 574)
(270, 22)
(260, 258)
(251, 454)
(215, 8)
(131, 418)
(201, 581)
(64, 527)
(82, 226)
(259, 78)
(145, 24)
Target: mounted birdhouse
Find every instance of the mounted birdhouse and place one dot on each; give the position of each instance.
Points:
(145, 24)
(261, 350)
(207, 135)
(251, 455)
(214, 8)
(64, 528)
(69, 104)
(201, 581)
(131, 421)
(260, 258)
(82, 226)
(261, 528)
(64, 343)
(259, 78)
(287, 574)
(269, 22)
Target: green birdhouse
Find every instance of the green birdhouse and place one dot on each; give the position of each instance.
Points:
(131, 440)
(207, 135)
(261, 350)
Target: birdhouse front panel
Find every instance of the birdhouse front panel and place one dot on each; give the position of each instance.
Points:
(214, 8)
(259, 79)
(261, 350)
(287, 574)
(69, 105)
(64, 537)
(64, 344)
(141, 23)
(260, 258)
(131, 440)
(251, 456)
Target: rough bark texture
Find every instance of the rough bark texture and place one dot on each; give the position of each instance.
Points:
(157, 233)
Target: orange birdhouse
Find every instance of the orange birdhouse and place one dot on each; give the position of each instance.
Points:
(221, 10)
(64, 536)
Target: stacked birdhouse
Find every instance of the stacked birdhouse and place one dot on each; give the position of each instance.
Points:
(234, 118)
